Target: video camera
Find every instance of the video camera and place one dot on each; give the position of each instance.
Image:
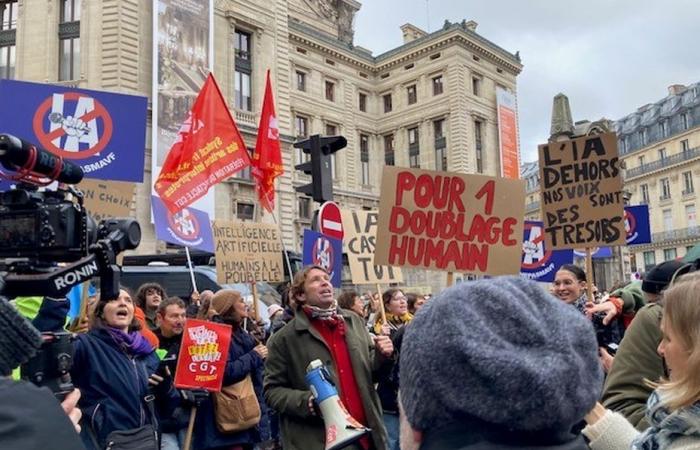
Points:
(49, 244)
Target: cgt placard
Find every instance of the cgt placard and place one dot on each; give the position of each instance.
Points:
(451, 222)
(582, 202)
(247, 252)
(360, 229)
(203, 354)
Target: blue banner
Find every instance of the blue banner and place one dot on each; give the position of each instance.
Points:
(189, 227)
(103, 133)
(324, 251)
(596, 252)
(637, 224)
(539, 263)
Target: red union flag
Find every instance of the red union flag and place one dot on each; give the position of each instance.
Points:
(207, 150)
(203, 355)
(267, 159)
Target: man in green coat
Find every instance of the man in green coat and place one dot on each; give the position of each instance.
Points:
(340, 340)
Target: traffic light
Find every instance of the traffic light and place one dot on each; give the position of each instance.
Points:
(320, 149)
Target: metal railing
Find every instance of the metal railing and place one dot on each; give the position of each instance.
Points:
(664, 162)
(672, 235)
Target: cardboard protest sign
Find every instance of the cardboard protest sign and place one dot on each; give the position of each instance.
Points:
(105, 199)
(637, 224)
(203, 355)
(324, 251)
(189, 227)
(360, 229)
(449, 221)
(581, 189)
(247, 252)
(540, 263)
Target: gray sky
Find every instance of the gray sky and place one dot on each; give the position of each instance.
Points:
(608, 56)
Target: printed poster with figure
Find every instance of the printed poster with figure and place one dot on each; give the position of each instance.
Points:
(203, 355)
(539, 262)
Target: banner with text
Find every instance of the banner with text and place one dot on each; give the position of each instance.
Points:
(203, 355)
(637, 224)
(540, 263)
(360, 228)
(581, 189)
(102, 132)
(324, 251)
(247, 252)
(105, 199)
(508, 133)
(450, 222)
(189, 227)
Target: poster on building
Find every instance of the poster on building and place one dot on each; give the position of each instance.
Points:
(247, 252)
(201, 362)
(106, 199)
(581, 190)
(360, 228)
(637, 224)
(508, 140)
(324, 251)
(540, 263)
(450, 222)
(102, 132)
(189, 227)
(182, 58)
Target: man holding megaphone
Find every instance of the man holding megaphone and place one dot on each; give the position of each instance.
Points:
(321, 331)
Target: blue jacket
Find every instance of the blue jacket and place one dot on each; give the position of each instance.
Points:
(113, 385)
(242, 360)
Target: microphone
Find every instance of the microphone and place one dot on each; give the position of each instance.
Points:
(16, 153)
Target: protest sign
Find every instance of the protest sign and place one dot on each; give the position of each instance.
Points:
(449, 221)
(189, 227)
(324, 251)
(203, 354)
(102, 132)
(105, 199)
(360, 240)
(637, 224)
(596, 252)
(581, 189)
(247, 252)
(540, 263)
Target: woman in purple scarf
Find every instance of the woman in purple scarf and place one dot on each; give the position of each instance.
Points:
(114, 366)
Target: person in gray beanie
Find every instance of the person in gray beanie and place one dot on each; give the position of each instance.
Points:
(497, 363)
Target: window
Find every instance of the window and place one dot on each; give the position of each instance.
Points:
(70, 11)
(301, 81)
(9, 15)
(330, 91)
(362, 100)
(665, 189)
(69, 41)
(364, 158)
(684, 121)
(437, 85)
(245, 174)
(413, 148)
(645, 193)
(649, 259)
(387, 102)
(684, 145)
(643, 137)
(669, 254)
(663, 128)
(245, 211)
(440, 145)
(301, 126)
(662, 154)
(331, 130)
(8, 24)
(241, 45)
(476, 86)
(243, 99)
(625, 144)
(690, 216)
(668, 219)
(687, 183)
(389, 150)
(244, 69)
(641, 161)
(7, 61)
(439, 128)
(412, 94)
(304, 205)
(478, 145)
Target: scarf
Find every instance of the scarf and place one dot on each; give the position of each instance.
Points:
(314, 312)
(394, 321)
(580, 303)
(667, 426)
(132, 343)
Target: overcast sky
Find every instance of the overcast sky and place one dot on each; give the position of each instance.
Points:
(608, 56)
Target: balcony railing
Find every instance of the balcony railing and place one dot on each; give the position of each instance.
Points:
(664, 162)
(672, 235)
(532, 206)
(247, 118)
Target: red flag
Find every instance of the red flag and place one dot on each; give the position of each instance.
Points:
(267, 159)
(207, 150)
(203, 354)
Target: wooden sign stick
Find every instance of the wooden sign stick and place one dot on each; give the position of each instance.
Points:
(381, 304)
(589, 275)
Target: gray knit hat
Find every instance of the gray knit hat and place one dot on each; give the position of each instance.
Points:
(501, 351)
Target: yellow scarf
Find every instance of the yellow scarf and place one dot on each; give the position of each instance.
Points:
(394, 321)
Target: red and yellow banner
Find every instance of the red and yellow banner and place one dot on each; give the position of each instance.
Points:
(203, 355)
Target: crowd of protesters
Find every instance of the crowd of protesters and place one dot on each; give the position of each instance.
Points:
(497, 363)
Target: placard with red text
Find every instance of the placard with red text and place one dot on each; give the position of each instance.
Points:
(449, 221)
(203, 355)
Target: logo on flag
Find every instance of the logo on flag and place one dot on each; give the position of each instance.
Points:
(538, 262)
(189, 227)
(325, 252)
(637, 224)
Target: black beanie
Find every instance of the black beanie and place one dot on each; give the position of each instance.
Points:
(661, 275)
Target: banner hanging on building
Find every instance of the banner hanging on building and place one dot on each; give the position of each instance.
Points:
(324, 251)
(540, 263)
(203, 354)
(450, 222)
(102, 132)
(508, 140)
(189, 227)
(182, 57)
(637, 224)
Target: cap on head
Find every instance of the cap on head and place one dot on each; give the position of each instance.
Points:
(661, 275)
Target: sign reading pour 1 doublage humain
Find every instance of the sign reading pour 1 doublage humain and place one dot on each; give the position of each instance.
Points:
(581, 189)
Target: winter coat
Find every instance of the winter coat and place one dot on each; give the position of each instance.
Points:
(290, 351)
(242, 361)
(636, 360)
(388, 386)
(112, 385)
